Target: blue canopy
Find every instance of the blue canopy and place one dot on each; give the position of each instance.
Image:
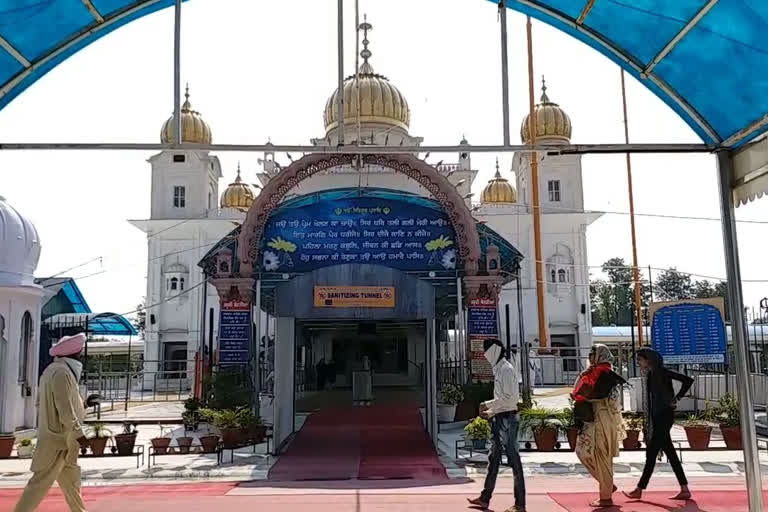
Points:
(705, 58)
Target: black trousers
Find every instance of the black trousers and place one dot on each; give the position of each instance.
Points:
(661, 441)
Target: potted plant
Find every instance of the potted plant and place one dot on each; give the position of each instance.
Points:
(450, 397)
(100, 435)
(479, 432)
(568, 423)
(210, 443)
(7, 440)
(251, 426)
(728, 416)
(126, 440)
(633, 425)
(185, 443)
(227, 421)
(698, 430)
(160, 444)
(191, 414)
(25, 449)
(544, 425)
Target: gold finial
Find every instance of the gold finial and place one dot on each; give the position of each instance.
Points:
(365, 67)
(186, 106)
(498, 173)
(544, 97)
(237, 179)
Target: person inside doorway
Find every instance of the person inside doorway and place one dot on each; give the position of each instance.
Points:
(61, 412)
(320, 373)
(660, 417)
(330, 374)
(502, 413)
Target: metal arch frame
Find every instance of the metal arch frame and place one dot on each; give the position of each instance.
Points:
(542, 13)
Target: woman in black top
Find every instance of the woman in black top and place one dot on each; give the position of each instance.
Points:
(662, 401)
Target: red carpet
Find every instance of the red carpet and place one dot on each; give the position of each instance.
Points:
(360, 443)
(703, 501)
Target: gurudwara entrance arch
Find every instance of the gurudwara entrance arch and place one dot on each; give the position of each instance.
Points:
(357, 279)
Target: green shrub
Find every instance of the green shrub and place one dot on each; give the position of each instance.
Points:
(478, 429)
(727, 412)
(537, 419)
(451, 395)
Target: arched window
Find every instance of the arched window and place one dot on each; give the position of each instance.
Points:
(174, 283)
(181, 284)
(24, 345)
(552, 276)
(562, 276)
(224, 267)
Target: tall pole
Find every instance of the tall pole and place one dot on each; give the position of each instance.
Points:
(635, 268)
(177, 73)
(543, 338)
(504, 69)
(738, 325)
(340, 92)
(255, 347)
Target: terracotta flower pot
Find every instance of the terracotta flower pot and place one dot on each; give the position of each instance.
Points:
(732, 437)
(698, 437)
(98, 445)
(546, 439)
(209, 443)
(184, 444)
(161, 444)
(125, 443)
(230, 437)
(573, 435)
(632, 441)
(6, 446)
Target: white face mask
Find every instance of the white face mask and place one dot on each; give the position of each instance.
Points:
(492, 354)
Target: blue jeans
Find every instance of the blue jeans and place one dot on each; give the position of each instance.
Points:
(504, 429)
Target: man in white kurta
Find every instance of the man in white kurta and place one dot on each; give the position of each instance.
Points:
(59, 428)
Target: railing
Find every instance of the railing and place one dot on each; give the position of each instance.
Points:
(140, 381)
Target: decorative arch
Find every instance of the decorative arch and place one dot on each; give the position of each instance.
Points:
(439, 187)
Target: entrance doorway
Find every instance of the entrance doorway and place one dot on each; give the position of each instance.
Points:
(330, 352)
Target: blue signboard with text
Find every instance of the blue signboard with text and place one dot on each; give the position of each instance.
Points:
(235, 333)
(689, 333)
(369, 230)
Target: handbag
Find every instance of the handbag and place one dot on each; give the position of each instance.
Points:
(583, 412)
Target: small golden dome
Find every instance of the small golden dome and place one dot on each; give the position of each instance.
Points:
(238, 194)
(380, 101)
(551, 121)
(193, 128)
(498, 190)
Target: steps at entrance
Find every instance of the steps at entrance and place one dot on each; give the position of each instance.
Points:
(378, 442)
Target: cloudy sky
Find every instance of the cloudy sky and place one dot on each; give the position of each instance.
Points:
(260, 70)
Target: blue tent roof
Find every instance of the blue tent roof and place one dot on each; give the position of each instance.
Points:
(705, 58)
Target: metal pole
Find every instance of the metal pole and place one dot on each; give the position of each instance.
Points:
(635, 268)
(634, 347)
(177, 73)
(524, 363)
(543, 338)
(255, 344)
(504, 69)
(340, 92)
(460, 327)
(509, 334)
(128, 374)
(736, 304)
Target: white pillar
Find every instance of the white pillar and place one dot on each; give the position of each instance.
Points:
(284, 406)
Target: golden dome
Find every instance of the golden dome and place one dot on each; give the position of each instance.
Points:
(193, 128)
(498, 190)
(380, 101)
(238, 194)
(551, 121)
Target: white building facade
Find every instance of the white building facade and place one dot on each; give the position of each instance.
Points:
(20, 307)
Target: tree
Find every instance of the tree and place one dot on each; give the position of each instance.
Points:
(613, 299)
(140, 321)
(673, 285)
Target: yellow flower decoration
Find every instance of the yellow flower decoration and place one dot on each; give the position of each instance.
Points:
(279, 244)
(438, 243)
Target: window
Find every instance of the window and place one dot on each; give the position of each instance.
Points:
(562, 276)
(553, 276)
(554, 190)
(179, 158)
(179, 197)
(174, 283)
(181, 284)
(24, 345)
(174, 360)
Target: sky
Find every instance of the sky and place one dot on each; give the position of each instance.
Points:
(264, 70)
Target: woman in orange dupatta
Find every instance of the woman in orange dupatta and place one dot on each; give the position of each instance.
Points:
(602, 432)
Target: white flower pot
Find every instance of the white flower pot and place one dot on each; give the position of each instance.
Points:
(446, 413)
(25, 452)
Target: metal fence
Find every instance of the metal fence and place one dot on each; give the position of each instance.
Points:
(119, 380)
